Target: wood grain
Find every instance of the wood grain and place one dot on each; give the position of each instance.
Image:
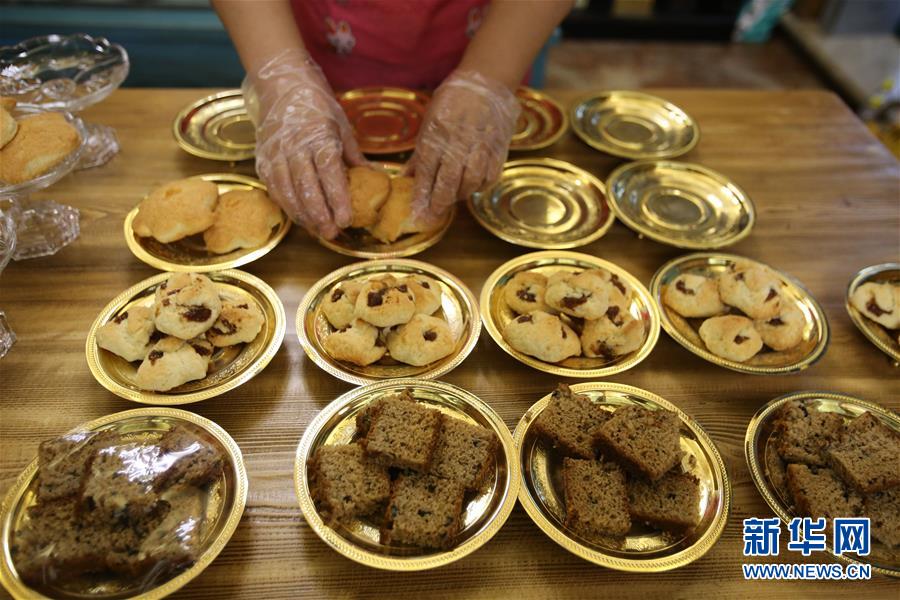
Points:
(827, 196)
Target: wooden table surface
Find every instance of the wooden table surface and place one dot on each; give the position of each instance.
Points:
(827, 197)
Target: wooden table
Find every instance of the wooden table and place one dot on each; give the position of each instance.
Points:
(827, 197)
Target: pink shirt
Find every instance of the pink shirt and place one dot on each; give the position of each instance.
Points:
(408, 43)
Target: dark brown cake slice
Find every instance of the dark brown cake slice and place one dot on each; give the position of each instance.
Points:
(673, 502)
(804, 433)
(191, 457)
(570, 421)
(364, 417)
(346, 484)
(403, 434)
(819, 492)
(644, 441)
(465, 453)
(867, 455)
(423, 511)
(776, 470)
(596, 499)
(120, 482)
(63, 461)
(883, 510)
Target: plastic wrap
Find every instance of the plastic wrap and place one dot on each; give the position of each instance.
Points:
(124, 511)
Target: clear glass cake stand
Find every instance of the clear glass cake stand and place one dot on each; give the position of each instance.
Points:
(67, 73)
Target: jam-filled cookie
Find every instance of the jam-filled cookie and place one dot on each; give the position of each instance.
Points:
(694, 296)
(243, 219)
(369, 190)
(524, 293)
(172, 362)
(128, 334)
(543, 336)
(732, 337)
(585, 295)
(783, 331)
(384, 305)
(420, 342)
(755, 290)
(339, 306)
(187, 304)
(879, 302)
(239, 322)
(616, 334)
(357, 343)
(425, 290)
(177, 209)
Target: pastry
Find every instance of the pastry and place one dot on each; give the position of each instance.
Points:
(883, 511)
(732, 337)
(646, 442)
(384, 305)
(403, 433)
(596, 499)
(423, 511)
(524, 293)
(345, 484)
(615, 334)
(242, 219)
(804, 433)
(879, 302)
(7, 103)
(585, 295)
(339, 307)
(8, 127)
(783, 331)
(187, 304)
(396, 218)
(465, 453)
(867, 455)
(571, 421)
(357, 343)
(128, 334)
(420, 342)
(369, 190)
(42, 142)
(239, 322)
(754, 290)
(425, 290)
(543, 336)
(819, 493)
(172, 362)
(177, 209)
(694, 296)
(671, 503)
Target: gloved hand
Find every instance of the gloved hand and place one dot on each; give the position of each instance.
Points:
(303, 140)
(462, 143)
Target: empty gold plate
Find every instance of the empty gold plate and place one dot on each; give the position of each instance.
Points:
(680, 204)
(216, 127)
(634, 125)
(229, 367)
(541, 123)
(544, 203)
(224, 507)
(766, 361)
(385, 120)
(877, 334)
(759, 446)
(458, 307)
(645, 550)
(483, 515)
(496, 314)
(190, 253)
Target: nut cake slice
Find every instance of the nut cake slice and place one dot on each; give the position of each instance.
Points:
(571, 421)
(596, 498)
(867, 455)
(804, 433)
(465, 453)
(345, 484)
(424, 511)
(644, 441)
(671, 503)
(818, 492)
(403, 434)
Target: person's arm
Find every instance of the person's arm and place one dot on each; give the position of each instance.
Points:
(511, 35)
(464, 138)
(259, 29)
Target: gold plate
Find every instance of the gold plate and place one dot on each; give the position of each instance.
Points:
(756, 446)
(766, 362)
(876, 333)
(634, 125)
(496, 314)
(385, 120)
(225, 505)
(680, 204)
(230, 367)
(541, 123)
(645, 550)
(458, 307)
(190, 253)
(544, 203)
(359, 243)
(216, 127)
(483, 515)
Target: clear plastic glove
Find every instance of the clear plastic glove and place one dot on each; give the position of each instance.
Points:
(463, 141)
(303, 140)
